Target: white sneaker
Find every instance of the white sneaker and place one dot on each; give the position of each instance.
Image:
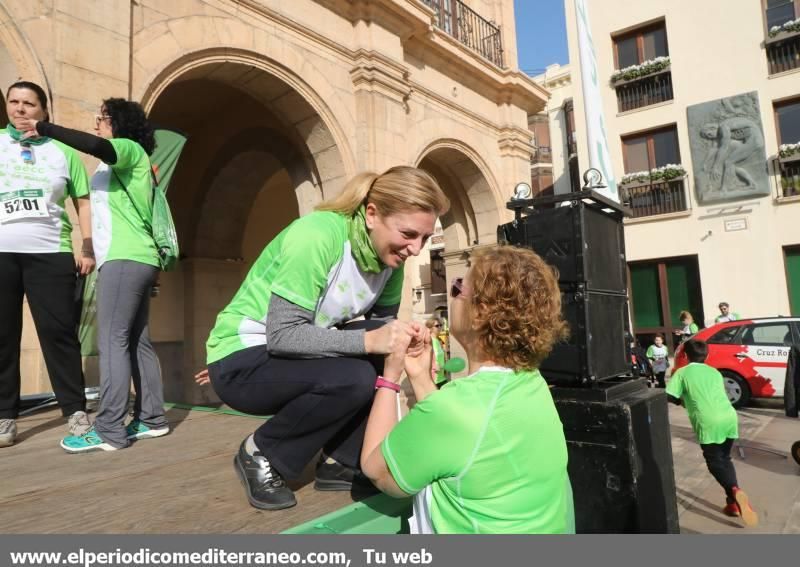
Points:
(78, 424)
(8, 432)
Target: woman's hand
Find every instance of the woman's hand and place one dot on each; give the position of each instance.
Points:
(27, 125)
(385, 340)
(202, 378)
(395, 360)
(85, 263)
(420, 365)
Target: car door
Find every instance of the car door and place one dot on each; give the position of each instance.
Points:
(763, 356)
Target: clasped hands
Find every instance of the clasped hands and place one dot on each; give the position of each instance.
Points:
(409, 348)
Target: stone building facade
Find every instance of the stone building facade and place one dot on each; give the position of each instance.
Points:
(717, 93)
(282, 102)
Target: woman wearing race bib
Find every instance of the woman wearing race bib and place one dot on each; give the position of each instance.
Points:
(283, 346)
(486, 453)
(36, 258)
(128, 264)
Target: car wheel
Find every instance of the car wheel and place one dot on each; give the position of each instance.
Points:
(796, 451)
(737, 388)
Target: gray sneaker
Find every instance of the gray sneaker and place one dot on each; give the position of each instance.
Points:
(8, 432)
(78, 423)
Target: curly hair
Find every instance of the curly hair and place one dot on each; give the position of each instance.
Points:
(128, 120)
(516, 306)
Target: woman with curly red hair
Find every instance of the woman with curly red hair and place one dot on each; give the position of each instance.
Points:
(486, 453)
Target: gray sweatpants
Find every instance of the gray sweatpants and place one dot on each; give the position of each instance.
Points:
(123, 341)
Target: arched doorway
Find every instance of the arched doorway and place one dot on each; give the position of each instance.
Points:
(258, 156)
(471, 222)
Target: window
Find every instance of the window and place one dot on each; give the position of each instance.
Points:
(767, 334)
(779, 12)
(640, 45)
(787, 117)
(438, 276)
(724, 337)
(792, 262)
(657, 148)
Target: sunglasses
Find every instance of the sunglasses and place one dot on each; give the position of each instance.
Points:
(457, 288)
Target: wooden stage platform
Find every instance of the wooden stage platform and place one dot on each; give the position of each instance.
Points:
(183, 483)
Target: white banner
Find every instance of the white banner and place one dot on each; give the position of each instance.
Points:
(599, 156)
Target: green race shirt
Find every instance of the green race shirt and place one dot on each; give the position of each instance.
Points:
(702, 390)
(439, 357)
(309, 263)
(120, 227)
(491, 446)
(32, 195)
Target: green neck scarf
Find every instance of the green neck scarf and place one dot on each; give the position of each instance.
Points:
(361, 244)
(17, 135)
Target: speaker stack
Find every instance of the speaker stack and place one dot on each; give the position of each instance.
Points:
(620, 456)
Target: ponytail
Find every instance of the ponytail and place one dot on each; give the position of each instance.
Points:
(398, 189)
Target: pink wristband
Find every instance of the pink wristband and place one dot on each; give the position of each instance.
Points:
(382, 382)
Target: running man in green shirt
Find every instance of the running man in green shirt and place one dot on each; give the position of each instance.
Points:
(486, 453)
(714, 421)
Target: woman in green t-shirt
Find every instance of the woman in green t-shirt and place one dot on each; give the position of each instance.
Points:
(285, 345)
(486, 453)
(128, 266)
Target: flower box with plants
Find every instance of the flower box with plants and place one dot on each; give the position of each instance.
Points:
(789, 152)
(636, 72)
(664, 174)
(784, 31)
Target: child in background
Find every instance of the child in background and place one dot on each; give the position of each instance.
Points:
(657, 355)
(714, 422)
(689, 326)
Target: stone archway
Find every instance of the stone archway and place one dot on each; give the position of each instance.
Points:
(472, 220)
(258, 155)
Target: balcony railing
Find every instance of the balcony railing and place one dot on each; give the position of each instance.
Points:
(789, 177)
(541, 154)
(783, 52)
(644, 91)
(656, 198)
(468, 27)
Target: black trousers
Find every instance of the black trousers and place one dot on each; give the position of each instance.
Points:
(660, 379)
(720, 465)
(49, 282)
(320, 403)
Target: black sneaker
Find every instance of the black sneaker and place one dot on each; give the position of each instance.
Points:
(334, 476)
(265, 488)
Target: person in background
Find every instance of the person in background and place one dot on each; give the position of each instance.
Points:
(434, 325)
(287, 345)
(689, 326)
(36, 258)
(486, 453)
(657, 354)
(725, 314)
(128, 266)
(701, 388)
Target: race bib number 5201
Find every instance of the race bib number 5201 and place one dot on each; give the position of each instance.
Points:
(22, 204)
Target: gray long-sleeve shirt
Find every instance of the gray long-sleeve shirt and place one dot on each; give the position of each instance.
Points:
(291, 332)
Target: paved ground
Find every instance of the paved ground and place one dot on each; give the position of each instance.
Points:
(184, 483)
(763, 465)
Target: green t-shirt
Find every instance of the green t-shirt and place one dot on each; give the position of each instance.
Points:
(438, 353)
(33, 219)
(309, 263)
(120, 227)
(702, 390)
(491, 446)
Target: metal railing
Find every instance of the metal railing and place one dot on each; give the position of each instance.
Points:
(783, 55)
(645, 91)
(655, 199)
(541, 154)
(467, 26)
(788, 177)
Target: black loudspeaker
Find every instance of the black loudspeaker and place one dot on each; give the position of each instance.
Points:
(583, 241)
(595, 349)
(582, 237)
(620, 461)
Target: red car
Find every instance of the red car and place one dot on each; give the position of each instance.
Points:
(750, 354)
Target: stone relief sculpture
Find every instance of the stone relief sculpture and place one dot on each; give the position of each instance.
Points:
(727, 145)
